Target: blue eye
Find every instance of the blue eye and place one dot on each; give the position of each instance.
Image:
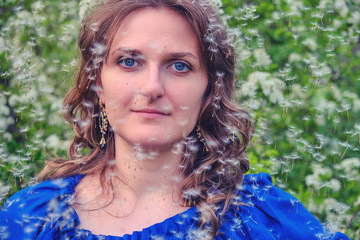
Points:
(127, 62)
(180, 67)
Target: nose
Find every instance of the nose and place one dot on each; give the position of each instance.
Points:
(152, 84)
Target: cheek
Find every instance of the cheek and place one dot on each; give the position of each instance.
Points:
(196, 95)
(116, 91)
(189, 102)
(117, 100)
(114, 115)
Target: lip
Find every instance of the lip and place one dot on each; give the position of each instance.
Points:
(150, 113)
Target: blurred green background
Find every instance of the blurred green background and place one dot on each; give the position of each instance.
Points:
(298, 75)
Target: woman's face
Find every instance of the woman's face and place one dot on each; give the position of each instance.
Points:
(154, 80)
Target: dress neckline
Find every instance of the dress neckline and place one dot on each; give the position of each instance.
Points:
(177, 218)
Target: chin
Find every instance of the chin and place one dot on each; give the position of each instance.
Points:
(151, 139)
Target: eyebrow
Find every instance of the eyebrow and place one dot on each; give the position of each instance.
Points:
(181, 55)
(126, 51)
(131, 51)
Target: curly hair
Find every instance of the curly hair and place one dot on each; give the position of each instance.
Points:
(226, 128)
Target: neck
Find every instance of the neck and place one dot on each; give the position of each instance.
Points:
(149, 172)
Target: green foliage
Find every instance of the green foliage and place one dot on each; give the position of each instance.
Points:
(299, 77)
(35, 75)
(298, 74)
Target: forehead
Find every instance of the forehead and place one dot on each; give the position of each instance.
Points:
(156, 26)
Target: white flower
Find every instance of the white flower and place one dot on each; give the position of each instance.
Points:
(4, 190)
(331, 204)
(244, 54)
(295, 7)
(357, 202)
(85, 5)
(351, 167)
(262, 58)
(312, 180)
(340, 5)
(324, 3)
(334, 184)
(37, 6)
(310, 43)
(4, 110)
(321, 170)
(217, 3)
(328, 105)
(294, 57)
(3, 47)
(337, 23)
(355, 18)
(259, 76)
(272, 88)
(249, 88)
(52, 141)
(276, 15)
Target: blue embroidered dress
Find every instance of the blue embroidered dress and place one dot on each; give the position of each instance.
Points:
(44, 212)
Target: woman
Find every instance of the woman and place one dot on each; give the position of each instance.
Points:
(164, 148)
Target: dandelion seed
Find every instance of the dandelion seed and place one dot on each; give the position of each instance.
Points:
(26, 129)
(85, 123)
(190, 193)
(183, 122)
(92, 78)
(96, 88)
(94, 27)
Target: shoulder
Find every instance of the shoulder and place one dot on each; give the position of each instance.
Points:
(27, 211)
(34, 198)
(261, 210)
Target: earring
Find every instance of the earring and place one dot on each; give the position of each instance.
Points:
(201, 138)
(103, 124)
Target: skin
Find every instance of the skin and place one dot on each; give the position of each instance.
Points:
(152, 87)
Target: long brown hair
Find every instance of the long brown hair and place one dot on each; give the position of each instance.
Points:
(226, 128)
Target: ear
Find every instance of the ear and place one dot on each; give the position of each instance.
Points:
(99, 89)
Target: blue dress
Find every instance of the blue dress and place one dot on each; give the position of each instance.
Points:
(44, 212)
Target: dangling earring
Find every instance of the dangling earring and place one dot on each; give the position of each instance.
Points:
(201, 138)
(103, 124)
